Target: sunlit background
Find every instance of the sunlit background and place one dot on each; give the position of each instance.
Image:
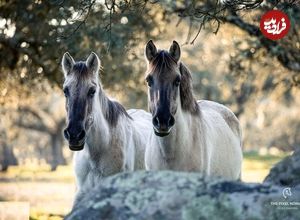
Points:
(258, 79)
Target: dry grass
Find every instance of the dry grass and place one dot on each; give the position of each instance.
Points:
(50, 194)
(256, 167)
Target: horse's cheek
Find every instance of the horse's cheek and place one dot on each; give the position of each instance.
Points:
(174, 103)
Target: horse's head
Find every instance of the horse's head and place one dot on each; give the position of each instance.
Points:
(163, 78)
(80, 87)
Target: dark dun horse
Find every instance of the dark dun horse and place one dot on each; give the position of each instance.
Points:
(188, 135)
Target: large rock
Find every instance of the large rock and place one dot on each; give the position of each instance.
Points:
(286, 172)
(175, 195)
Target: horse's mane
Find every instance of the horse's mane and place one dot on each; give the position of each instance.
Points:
(113, 111)
(164, 61)
(188, 102)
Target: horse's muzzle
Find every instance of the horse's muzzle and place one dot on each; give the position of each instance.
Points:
(162, 126)
(76, 147)
(76, 138)
(161, 133)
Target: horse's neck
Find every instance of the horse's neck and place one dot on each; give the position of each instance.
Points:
(180, 136)
(98, 137)
(101, 135)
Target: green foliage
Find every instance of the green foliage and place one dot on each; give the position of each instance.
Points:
(35, 35)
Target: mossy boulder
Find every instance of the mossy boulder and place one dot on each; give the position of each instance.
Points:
(177, 195)
(286, 172)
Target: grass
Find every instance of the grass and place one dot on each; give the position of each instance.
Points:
(38, 173)
(50, 194)
(256, 167)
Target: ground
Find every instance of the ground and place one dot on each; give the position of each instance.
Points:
(50, 194)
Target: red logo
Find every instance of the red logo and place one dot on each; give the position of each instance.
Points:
(274, 24)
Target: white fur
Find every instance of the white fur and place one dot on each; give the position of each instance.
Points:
(108, 151)
(206, 143)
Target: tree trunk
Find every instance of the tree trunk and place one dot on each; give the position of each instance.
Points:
(56, 150)
(7, 158)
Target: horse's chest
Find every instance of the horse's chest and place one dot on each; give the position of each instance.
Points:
(107, 162)
(183, 158)
(188, 163)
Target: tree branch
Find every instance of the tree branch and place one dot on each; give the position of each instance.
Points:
(35, 127)
(44, 119)
(288, 59)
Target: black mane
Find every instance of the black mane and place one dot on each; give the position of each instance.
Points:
(114, 111)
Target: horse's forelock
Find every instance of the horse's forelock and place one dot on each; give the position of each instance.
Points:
(81, 73)
(162, 61)
(80, 70)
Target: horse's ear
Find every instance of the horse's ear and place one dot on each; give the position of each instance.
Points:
(174, 51)
(150, 50)
(67, 63)
(93, 62)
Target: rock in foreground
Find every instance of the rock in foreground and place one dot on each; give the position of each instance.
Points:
(286, 172)
(175, 195)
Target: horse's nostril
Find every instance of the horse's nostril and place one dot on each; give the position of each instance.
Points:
(74, 136)
(155, 121)
(81, 135)
(171, 121)
(66, 134)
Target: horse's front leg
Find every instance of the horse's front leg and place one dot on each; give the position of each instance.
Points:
(78, 197)
(82, 172)
(90, 181)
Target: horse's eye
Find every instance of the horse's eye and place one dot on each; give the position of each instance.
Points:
(177, 81)
(149, 81)
(66, 92)
(91, 92)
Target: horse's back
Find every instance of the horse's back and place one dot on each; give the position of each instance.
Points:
(142, 127)
(223, 136)
(139, 113)
(141, 122)
(141, 119)
(228, 116)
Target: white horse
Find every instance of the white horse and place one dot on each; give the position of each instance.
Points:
(106, 138)
(201, 136)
